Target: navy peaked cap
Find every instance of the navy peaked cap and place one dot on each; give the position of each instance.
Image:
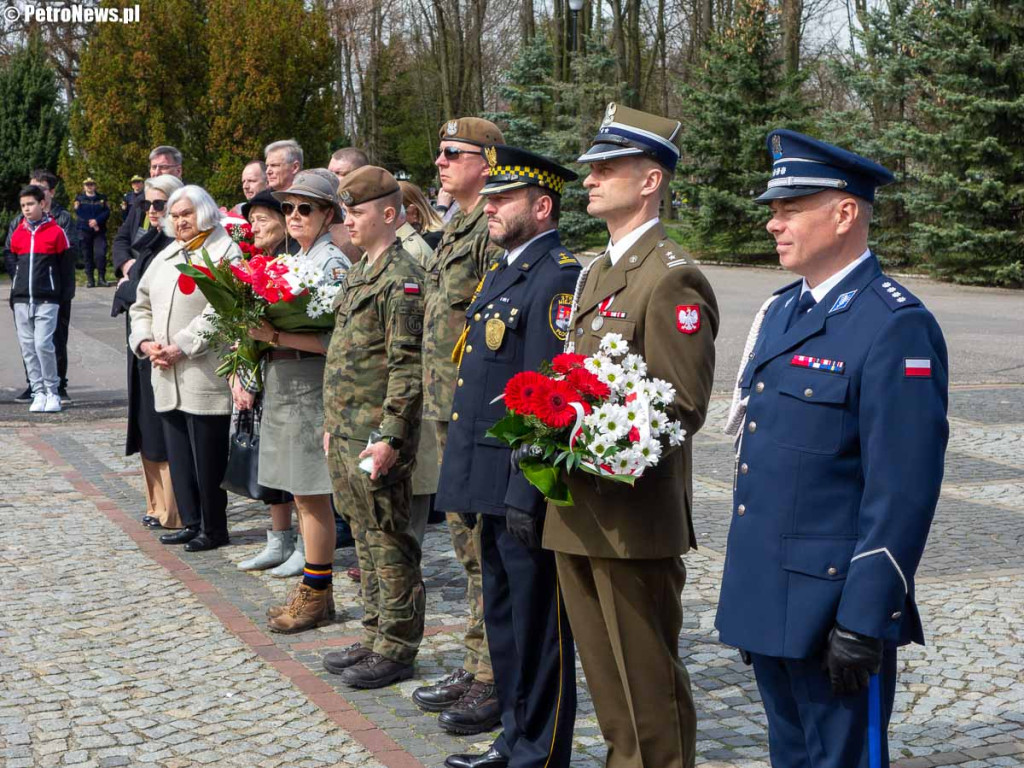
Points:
(802, 165)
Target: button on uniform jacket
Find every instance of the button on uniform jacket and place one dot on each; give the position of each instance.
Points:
(668, 314)
(529, 299)
(839, 468)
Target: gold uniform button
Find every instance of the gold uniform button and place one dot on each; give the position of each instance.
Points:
(760, 387)
(832, 570)
(497, 315)
(743, 467)
(477, 317)
(896, 615)
(752, 427)
(455, 417)
(808, 392)
(469, 348)
(741, 510)
(461, 382)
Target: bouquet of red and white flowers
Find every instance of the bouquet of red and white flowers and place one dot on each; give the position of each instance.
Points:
(599, 414)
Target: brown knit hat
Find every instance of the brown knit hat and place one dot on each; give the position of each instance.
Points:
(365, 184)
(472, 130)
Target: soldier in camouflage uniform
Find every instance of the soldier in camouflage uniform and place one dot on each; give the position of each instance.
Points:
(372, 401)
(455, 271)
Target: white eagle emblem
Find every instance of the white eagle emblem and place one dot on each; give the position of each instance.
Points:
(688, 318)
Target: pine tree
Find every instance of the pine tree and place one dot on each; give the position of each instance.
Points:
(271, 74)
(33, 123)
(735, 98)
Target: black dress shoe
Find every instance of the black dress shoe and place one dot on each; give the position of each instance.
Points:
(441, 695)
(183, 536)
(478, 711)
(202, 542)
(376, 671)
(492, 758)
(151, 522)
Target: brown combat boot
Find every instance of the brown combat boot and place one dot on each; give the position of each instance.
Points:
(278, 610)
(309, 609)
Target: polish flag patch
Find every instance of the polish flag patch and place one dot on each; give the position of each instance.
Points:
(917, 367)
(412, 288)
(688, 318)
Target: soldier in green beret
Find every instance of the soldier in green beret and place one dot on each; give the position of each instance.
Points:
(372, 400)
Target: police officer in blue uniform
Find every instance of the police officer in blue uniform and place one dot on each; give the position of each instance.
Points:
(92, 211)
(518, 319)
(840, 418)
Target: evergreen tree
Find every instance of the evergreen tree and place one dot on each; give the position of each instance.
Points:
(32, 120)
(271, 69)
(738, 94)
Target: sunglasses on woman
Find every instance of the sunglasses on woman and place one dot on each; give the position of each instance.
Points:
(156, 205)
(304, 209)
(453, 152)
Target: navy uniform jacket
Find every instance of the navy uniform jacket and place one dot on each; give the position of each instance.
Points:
(838, 471)
(94, 207)
(531, 297)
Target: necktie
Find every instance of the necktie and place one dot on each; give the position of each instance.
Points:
(803, 306)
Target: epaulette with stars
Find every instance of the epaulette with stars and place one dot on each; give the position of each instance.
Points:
(894, 295)
(563, 258)
(672, 254)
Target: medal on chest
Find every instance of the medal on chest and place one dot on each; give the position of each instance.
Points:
(494, 333)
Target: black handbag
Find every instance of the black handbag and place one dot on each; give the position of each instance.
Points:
(244, 461)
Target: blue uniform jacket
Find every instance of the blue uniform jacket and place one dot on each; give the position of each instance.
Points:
(838, 470)
(94, 207)
(531, 297)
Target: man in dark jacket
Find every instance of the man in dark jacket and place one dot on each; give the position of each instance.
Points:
(163, 159)
(134, 197)
(92, 211)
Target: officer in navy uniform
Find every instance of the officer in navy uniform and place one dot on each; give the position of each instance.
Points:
(92, 211)
(840, 418)
(518, 319)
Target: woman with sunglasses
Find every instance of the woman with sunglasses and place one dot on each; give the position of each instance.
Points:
(291, 432)
(145, 431)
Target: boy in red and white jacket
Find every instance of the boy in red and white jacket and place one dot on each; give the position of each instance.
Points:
(39, 245)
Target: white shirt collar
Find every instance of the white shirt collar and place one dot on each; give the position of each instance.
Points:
(617, 250)
(512, 255)
(821, 290)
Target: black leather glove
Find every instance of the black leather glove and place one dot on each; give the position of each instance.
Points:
(468, 519)
(850, 660)
(520, 452)
(525, 528)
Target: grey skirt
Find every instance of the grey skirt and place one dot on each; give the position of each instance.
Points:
(292, 429)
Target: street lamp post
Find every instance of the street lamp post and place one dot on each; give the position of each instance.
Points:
(575, 6)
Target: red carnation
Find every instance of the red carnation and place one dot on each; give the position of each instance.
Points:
(634, 435)
(566, 362)
(554, 407)
(587, 384)
(522, 389)
(186, 284)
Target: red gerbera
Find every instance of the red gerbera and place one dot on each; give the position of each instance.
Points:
(587, 384)
(554, 407)
(566, 362)
(522, 389)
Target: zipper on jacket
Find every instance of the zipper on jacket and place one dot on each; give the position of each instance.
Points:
(31, 262)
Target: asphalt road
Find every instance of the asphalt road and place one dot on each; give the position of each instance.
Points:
(983, 328)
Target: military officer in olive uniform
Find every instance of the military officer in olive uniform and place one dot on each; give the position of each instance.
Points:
(618, 549)
(518, 320)
(372, 400)
(841, 419)
(454, 272)
(92, 212)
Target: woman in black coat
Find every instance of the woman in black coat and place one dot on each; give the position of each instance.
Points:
(145, 431)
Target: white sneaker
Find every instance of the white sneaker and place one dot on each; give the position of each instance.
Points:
(38, 402)
(52, 403)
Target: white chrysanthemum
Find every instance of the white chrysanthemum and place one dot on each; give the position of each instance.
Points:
(612, 375)
(599, 446)
(613, 423)
(664, 392)
(657, 421)
(649, 450)
(614, 345)
(635, 364)
(622, 463)
(676, 433)
(597, 363)
(631, 383)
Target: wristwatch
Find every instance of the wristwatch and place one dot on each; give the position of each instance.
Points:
(274, 339)
(394, 442)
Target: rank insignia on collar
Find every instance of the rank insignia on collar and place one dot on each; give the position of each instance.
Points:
(818, 363)
(843, 301)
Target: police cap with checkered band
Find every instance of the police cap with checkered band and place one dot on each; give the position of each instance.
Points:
(514, 168)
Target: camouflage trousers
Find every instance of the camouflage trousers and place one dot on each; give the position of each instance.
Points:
(466, 543)
(394, 599)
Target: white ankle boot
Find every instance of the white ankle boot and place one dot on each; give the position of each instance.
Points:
(280, 545)
(295, 564)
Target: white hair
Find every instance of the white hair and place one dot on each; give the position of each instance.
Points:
(207, 214)
(167, 184)
(293, 152)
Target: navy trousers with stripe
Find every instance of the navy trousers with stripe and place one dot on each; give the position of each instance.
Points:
(531, 647)
(809, 726)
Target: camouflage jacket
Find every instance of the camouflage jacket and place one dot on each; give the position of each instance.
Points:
(453, 273)
(373, 376)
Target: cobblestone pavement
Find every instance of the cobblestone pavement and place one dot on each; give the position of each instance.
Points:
(115, 650)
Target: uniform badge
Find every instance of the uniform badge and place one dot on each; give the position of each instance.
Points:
(609, 116)
(558, 315)
(452, 128)
(412, 289)
(776, 146)
(819, 363)
(843, 301)
(917, 367)
(687, 318)
(494, 333)
(414, 324)
(338, 274)
(597, 323)
(345, 196)
(491, 155)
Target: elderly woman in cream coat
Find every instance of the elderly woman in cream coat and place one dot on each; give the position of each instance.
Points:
(194, 403)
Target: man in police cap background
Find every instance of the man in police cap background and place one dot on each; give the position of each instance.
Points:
(133, 196)
(517, 321)
(840, 416)
(618, 549)
(454, 272)
(92, 212)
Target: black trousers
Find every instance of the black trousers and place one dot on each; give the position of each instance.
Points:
(532, 649)
(197, 452)
(94, 249)
(60, 342)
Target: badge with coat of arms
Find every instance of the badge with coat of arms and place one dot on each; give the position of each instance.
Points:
(453, 127)
(558, 315)
(609, 116)
(688, 318)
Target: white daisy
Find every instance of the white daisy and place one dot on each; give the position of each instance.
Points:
(676, 433)
(635, 364)
(614, 345)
